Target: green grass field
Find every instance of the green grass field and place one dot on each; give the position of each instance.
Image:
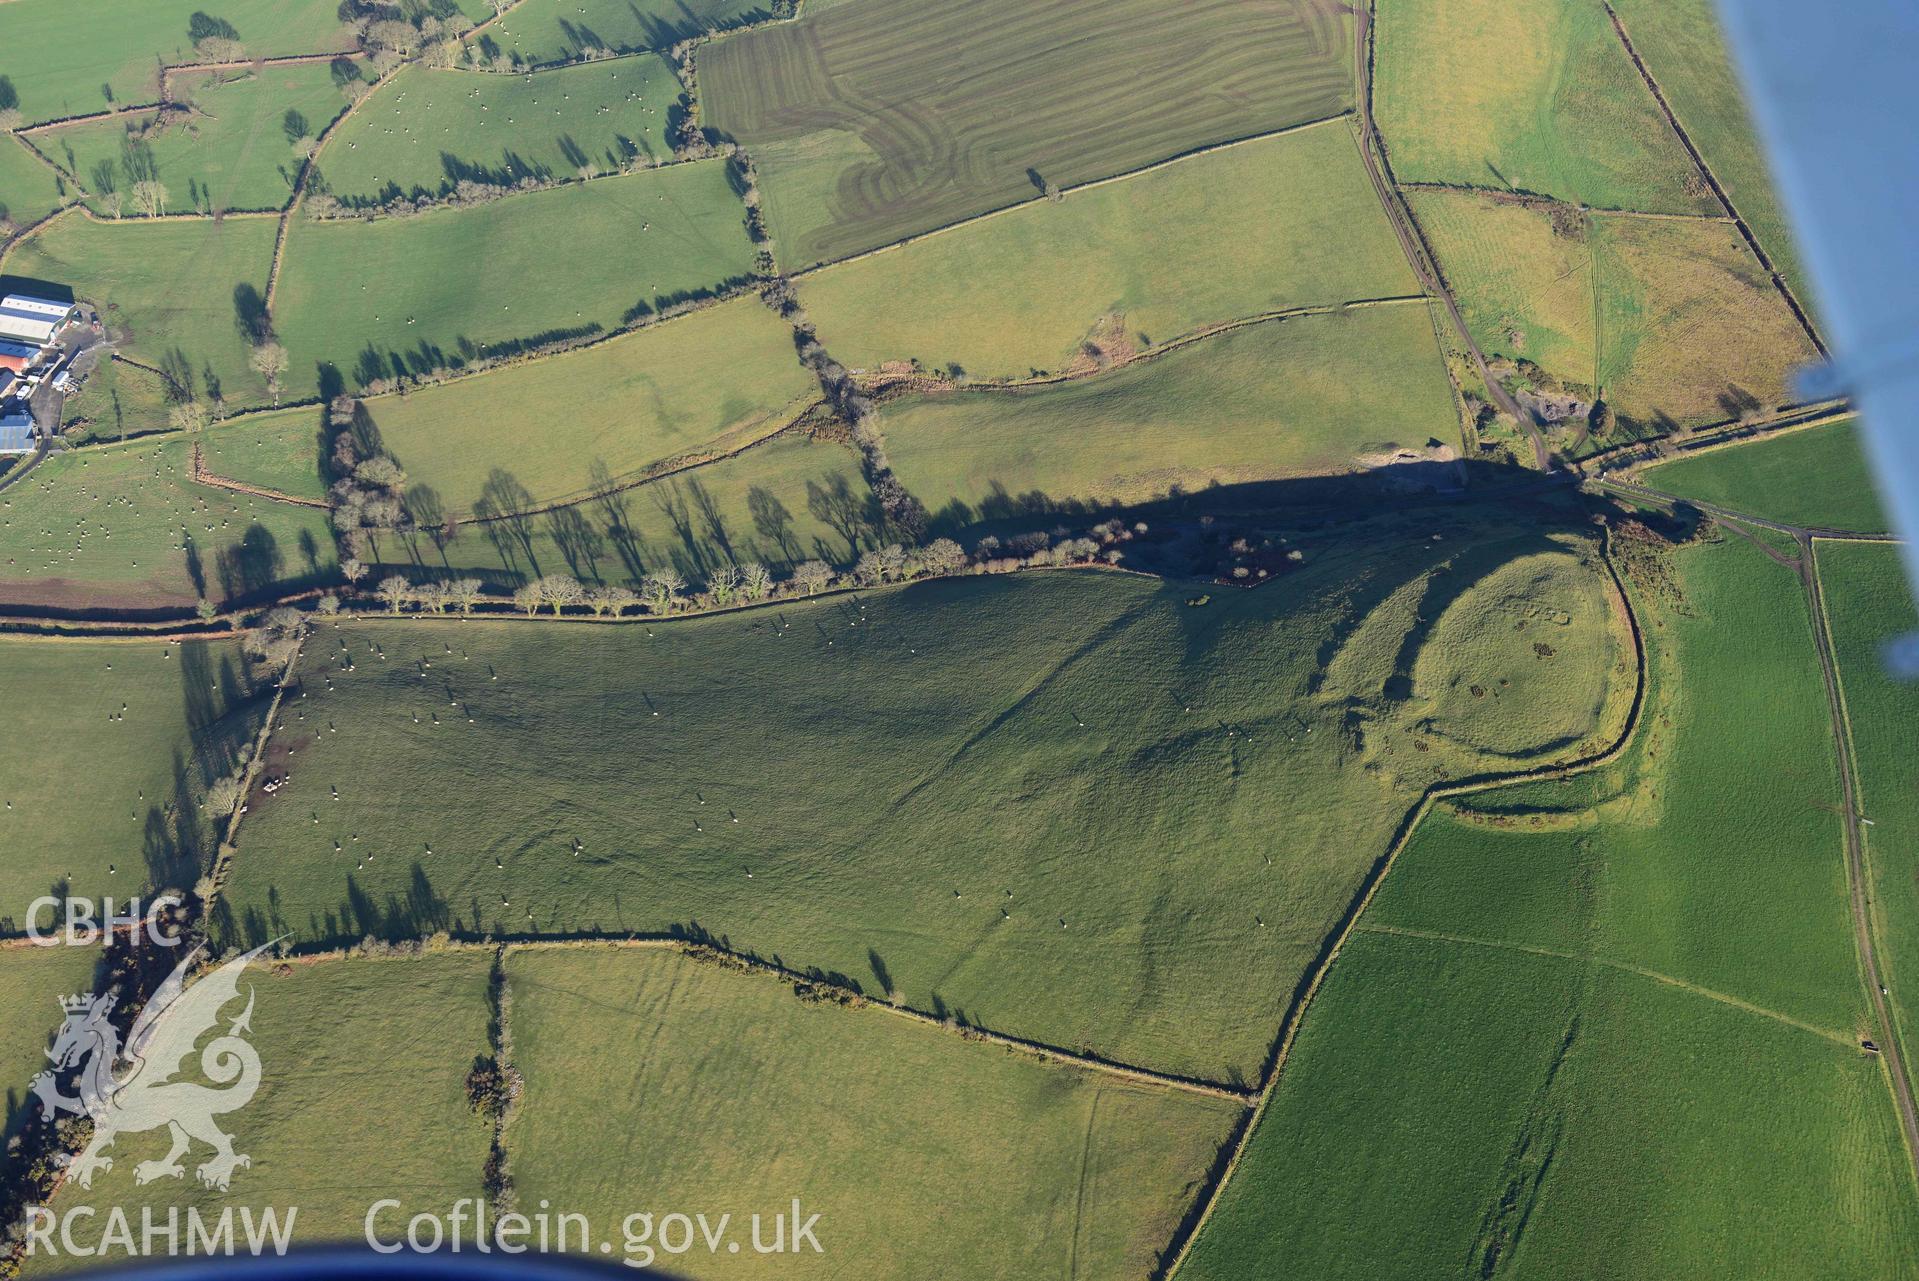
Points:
(1869, 605)
(29, 190)
(1684, 48)
(925, 788)
(1154, 257)
(116, 64)
(126, 527)
(424, 131)
(539, 32)
(172, 292)
(432, 291)
(1816, 477)
(118, 400)
(788, 500)
(145, 727)
(31, 981)
(1535, 96)
(357, 1055)
(1640, 306)
(230, 148)
(874, 121)
(1631, 1017)
(709, 381)
(1305, 396)
(634, 1058)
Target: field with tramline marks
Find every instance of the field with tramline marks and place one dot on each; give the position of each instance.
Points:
(875, 121)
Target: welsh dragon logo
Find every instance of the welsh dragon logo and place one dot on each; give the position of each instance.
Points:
(143, 1094)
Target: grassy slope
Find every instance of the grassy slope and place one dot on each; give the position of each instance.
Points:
(789, 500)
(235, 145)
(1283, 398)
(358, 1056)
(1869, 605)
(1817, 477)
(633, 1059)
(537, 32)
(1165, 250)
(424, 129)
(1537, 95)
(431, 290)
(169, 287)
(874, 121)
(118, 400)
(56, 74)
(188, 710)
(1669, 292)
(31, 980)
(1681, 43)
(895, 774)
(1680, 1131)
(28, 189)
(123, 525)
(713, 379)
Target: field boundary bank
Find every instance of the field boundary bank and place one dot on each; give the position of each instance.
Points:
(1067, 192)
(1537, 200)
(1633, 489)
(1857, 862)
(1308, 988)
(134, 108)
(1646, 452)
(1624, 967)
(1712, 180)
(200, 475)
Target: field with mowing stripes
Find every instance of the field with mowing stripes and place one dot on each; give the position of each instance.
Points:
(127, 527)
(1130, 263)
(171, 293)
(1638, 990)
(874, 121)
(1066, 1171)
(150, 725)
(375, 299)
(229, 144)
(1816, 477)
(424, 131)
(1305, 396)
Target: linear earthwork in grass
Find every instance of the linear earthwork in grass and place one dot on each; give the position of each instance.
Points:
(1311, 395)
(1122, 265)
(29, 189)
(228, 140)
(150, 725)
(1536, 96)
(1066, 1170)
(425, 131)
(874, 121)
(983, 796)
(394, 296)
(183, 295)
(1643, 980)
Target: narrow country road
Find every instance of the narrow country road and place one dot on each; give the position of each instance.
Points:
(1372, 150)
